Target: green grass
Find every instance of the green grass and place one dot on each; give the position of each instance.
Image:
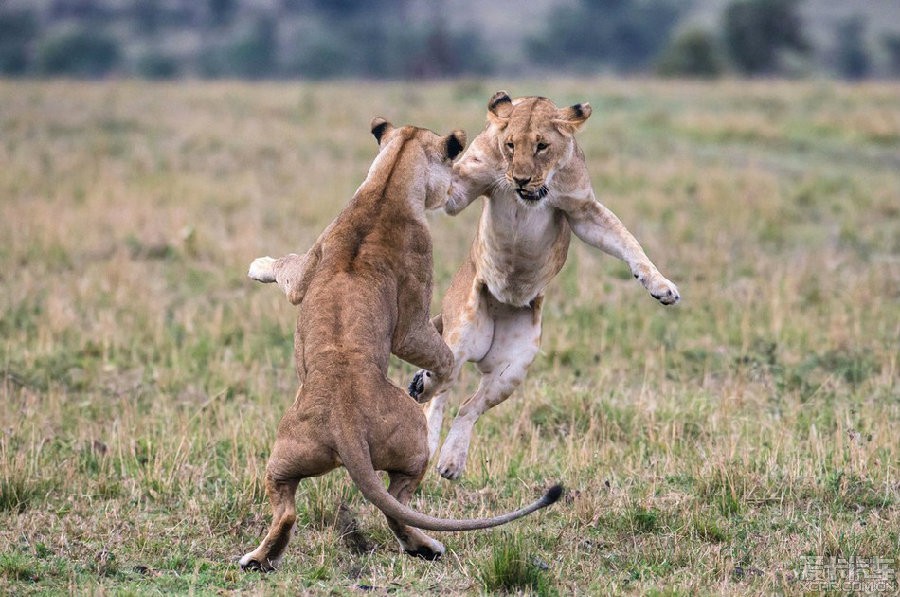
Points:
(510, 570)
(707, 448)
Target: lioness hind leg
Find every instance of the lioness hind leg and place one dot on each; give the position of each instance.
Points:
(469, 340)
(413, 541)
(268, 555)
(516, 341)
(468, 330)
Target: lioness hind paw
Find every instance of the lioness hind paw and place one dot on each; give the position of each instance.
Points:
(424, 553)
(251, 564)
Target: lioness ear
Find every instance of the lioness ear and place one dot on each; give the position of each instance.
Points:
(379, 127)
(454, 144)
(500, 107)
(569, 120)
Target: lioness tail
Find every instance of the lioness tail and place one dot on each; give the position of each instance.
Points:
(373, 488)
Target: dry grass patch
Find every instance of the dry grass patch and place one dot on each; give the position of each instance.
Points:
(707, 448)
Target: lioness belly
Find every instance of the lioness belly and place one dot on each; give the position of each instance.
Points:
(519, 249)
(513, 286)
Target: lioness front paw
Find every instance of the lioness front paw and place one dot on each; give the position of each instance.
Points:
(456, 201)
(262, 270)
(420, 382)
(661, 289)
(665, 292)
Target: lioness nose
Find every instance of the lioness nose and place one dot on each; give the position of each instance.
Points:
(521, 182)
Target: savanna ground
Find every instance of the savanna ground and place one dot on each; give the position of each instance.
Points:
(707, 448)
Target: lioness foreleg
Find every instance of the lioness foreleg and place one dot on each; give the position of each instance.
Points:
(599, 227)
(424, 347)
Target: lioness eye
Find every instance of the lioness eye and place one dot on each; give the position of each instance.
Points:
(542, 146)
(509, 145)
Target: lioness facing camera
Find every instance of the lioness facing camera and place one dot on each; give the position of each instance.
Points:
(537, 192)
(363, 292)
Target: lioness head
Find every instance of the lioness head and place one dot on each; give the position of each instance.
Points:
(524, 142)
(439, 153)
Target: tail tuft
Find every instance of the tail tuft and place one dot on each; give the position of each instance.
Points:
(554, 493)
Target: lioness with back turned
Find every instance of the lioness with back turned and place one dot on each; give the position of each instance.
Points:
(528, 166)
(363, 292)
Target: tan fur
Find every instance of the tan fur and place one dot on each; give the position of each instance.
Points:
(363, 292)
(528, 166)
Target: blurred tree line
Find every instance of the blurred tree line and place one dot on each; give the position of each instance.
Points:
(321, 39)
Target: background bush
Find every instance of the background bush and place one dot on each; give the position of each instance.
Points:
(417, 39)
(18, 29)
(693, 53)
(78, 52)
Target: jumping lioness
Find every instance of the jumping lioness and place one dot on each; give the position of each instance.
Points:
(363, 292)
(532, 173)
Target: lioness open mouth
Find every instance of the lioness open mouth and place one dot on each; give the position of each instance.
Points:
(532, 196)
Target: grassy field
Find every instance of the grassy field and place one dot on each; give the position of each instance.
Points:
(709, 448)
